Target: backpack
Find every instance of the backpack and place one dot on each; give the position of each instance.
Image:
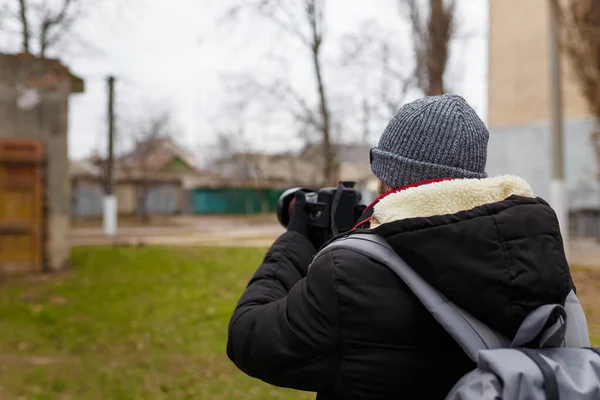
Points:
(549, 358)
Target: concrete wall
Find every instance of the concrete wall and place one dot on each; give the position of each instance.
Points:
(34, 104)
(525, 150)
(519, 80)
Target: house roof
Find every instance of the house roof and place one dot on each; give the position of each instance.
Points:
(295, 168)
(36, 72)
(84, 168)
(155, 154)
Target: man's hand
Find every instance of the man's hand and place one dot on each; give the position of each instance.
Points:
(299, 217)
(299, 222)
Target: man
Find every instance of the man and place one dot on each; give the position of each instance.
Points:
(348, 328)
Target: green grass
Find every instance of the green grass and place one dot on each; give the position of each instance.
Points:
(128, 323)
(144, 323)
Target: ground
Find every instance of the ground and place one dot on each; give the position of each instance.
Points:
(144, 322)
(248, 231)
(185, 230)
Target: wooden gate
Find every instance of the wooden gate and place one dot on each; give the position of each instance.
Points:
(21, 205)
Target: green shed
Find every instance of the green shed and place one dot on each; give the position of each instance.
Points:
(234, 200)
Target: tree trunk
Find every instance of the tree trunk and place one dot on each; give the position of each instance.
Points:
(328, 156)
(329, 161)
(25, 27)
(437, 46)
(43, 41)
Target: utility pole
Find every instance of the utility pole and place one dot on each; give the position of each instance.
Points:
(557, 188)
(111, 135)
(110, 200)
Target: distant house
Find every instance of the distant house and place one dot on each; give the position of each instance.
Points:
(148, 180)
(84, 168)
(352, 160)
(303, 168)
(156, 159)
(264, 170)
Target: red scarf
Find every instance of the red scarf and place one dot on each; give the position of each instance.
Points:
(368, 212)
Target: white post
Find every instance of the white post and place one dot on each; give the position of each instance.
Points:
(557, 187)
(110, 215)
(559, 204)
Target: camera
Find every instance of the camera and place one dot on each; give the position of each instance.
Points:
(331, 210)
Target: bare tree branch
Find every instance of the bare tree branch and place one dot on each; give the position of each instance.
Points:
(147, 134)
(235, 154)
(54, 27)
(24, 26)
(431, 39)
(45, 23)
(379, 58)
(304, 20)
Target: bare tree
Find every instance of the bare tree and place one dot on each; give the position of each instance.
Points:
(234, 152)
(432, 28)
(24, 26)
(46, 23)
(304, 20)
(431, 36)
(579, 28)
(146, 134)
(376, 54)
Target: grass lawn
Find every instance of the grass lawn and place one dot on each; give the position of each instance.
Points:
(143, 323)
(128, 323)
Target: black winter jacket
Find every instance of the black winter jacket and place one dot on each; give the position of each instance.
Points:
(350, 329)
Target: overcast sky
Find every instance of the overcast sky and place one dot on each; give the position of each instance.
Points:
(174, 54)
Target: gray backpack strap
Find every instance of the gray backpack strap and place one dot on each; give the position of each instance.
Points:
(577, 334)
(534, 327)
(569, 329)
(470, 333)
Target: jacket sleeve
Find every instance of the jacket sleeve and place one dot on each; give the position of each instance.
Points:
(284, 329)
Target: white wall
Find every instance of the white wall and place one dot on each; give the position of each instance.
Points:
(525, 150)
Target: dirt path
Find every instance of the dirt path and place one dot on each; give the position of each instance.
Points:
(259, 231)
(225, 231)
(585, 253)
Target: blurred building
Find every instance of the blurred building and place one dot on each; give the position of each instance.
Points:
(149, 180)
(519, 71)
(34, 166)
(519, 105)
(249, 181)
(284, 170)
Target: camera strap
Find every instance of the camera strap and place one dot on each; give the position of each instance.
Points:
(334, 205)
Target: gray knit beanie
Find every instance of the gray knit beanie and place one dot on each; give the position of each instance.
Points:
(431, 138)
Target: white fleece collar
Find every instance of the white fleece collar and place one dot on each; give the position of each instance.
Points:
(447, 197)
